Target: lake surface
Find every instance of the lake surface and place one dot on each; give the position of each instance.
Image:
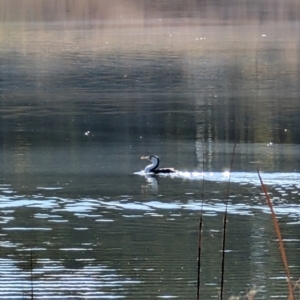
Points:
(87, 89)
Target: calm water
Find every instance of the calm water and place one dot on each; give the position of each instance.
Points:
(82, 98)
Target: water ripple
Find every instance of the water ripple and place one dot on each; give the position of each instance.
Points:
(51, 280)
(210, 207)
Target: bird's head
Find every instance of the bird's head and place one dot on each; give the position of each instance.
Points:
(153, 158)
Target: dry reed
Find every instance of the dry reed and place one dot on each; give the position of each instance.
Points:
(279, 237)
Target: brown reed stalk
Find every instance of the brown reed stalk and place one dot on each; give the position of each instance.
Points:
(279, 237)
(225, 226)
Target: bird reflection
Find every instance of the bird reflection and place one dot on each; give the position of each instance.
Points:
(151, 185)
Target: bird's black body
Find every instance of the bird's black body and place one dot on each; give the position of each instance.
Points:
(164, 171)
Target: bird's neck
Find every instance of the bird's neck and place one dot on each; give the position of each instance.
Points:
(151, 168)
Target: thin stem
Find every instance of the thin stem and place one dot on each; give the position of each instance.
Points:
(224, 227)
(31, 274)
(200, 233)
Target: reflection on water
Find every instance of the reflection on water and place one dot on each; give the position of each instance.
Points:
(87, 87)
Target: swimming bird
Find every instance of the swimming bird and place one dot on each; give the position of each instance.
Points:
(153, 167)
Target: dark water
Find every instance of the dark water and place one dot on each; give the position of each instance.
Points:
(83, 98)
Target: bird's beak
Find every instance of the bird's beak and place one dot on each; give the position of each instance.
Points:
(145, 157)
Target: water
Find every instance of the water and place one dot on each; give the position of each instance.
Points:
(84, 94)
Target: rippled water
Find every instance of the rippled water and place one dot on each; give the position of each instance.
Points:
(142, 243)
(83, 99)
